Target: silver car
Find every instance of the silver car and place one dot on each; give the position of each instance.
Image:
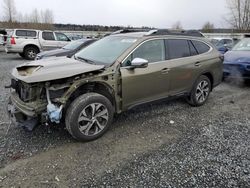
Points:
(28, 43)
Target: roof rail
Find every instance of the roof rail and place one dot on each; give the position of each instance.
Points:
(194, 33)
(129, 31)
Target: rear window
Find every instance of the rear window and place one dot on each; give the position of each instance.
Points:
(48, 36)
(201, 47)
(25, 33)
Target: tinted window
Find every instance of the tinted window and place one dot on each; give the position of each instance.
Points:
(201, 47)
(153, 51)
(48, 36)
(25, 33)
(62, 37)
(193, 51)
(178, 48)
(228, 41)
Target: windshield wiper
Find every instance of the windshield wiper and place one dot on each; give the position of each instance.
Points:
(84, 59)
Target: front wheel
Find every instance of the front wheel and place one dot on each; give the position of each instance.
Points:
(89, 116)
(200, 91)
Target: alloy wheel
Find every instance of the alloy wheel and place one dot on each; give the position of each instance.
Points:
(93, 119)
(31, 54)
(202, 91)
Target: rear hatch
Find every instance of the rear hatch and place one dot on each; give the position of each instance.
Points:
(16, 37)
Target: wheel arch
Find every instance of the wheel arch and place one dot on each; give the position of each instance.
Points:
(210, 77)
(96, 87)
(31, 45)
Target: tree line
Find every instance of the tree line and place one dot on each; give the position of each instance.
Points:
(37, 19)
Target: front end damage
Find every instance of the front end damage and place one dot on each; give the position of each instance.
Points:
(31, 104)
(38, 97)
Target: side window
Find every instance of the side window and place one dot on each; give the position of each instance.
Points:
(153, 51)
(21, 33)
(61, 37)
(228, 41)
(193, 51)
(200, 46)
(25, 33)
(48, 36)
(178, 48)
(31, 33)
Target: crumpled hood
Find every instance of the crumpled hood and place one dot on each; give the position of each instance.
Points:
(52, 69)
(233, 57)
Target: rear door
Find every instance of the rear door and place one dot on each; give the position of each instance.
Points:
(48, 40)
(145, 84)
(185, 64)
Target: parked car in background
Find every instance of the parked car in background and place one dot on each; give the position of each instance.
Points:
(2, 39)
(68, 50)
(28, 43)
(112, 75)
(237, 61)
(74, 36)
(3, 36)
(224, 44)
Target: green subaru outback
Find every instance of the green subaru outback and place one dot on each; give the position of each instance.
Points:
(112, 75)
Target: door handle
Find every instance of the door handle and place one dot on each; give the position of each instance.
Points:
(197, 64)
(165, 70)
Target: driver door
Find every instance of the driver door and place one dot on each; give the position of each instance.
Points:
(142, 85)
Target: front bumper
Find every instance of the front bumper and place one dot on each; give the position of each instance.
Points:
(18, 118)
(32, 109)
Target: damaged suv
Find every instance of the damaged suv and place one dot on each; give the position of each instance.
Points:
(110, 76)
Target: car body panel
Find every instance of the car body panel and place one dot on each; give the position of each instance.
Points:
(52, 69)
(135, 82)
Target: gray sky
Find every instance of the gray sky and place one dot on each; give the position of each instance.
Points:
(156, 13)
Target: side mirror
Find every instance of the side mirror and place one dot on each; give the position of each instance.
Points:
(139, 63)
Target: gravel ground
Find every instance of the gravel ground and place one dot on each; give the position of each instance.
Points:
(166, 144)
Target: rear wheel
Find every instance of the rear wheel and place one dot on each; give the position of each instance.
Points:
(30, 53)
(89, 116)
(200, 91)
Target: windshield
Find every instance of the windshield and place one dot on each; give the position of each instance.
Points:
(106, 50)
(243, 45)
(74, 45)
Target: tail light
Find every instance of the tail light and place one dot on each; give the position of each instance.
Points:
(12, 40)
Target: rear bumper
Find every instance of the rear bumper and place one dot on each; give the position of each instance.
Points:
(11, 49)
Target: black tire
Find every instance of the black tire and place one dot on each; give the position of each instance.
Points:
(30, 53)
(193, 98)
(22, 55)
(83, 105)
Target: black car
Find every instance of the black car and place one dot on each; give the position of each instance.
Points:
(68, 50)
